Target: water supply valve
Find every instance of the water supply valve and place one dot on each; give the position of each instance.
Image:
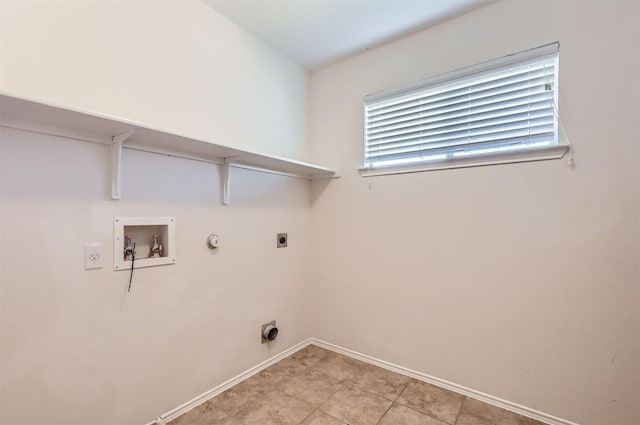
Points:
(156, 247)
(128, 248)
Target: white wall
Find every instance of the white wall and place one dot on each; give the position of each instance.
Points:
(173, 64)
(519, 280)
(76, 349)
(522, 280)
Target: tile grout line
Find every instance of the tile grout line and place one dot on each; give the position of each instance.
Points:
(460, 411)
(523, 411)
(393, 403)
(347, 383)
(240, 421)
(330, 395)
(316, 409)
(331, 416)
(356, 384)
(210, 394)
(343, 383)
(420, 412)
(384, 414)
(274, 390)
(308, 416)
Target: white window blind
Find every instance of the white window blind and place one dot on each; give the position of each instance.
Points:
(491, 108)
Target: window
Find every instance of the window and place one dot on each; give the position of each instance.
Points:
(498, 111)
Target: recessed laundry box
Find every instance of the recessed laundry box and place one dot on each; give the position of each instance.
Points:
(143, 242)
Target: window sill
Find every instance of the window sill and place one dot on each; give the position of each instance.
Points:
(524, 155)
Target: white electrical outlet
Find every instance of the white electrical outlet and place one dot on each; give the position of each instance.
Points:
(93, 256)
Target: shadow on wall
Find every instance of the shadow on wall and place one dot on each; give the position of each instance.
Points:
(56, 168)
(317, 188)
(53, 168)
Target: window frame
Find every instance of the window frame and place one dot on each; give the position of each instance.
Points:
(554, 151)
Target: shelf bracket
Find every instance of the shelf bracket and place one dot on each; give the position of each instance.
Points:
(226, 180)
(116, 163)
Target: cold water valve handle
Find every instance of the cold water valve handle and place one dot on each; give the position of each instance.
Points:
(156, 247)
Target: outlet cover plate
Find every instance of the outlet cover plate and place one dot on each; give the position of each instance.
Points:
(93, 256)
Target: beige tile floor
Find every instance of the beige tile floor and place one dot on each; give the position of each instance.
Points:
(319, 387)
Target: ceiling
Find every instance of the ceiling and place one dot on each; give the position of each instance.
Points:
(315, 33)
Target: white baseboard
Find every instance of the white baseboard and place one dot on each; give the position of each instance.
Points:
(184, 408)
(489, 399)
